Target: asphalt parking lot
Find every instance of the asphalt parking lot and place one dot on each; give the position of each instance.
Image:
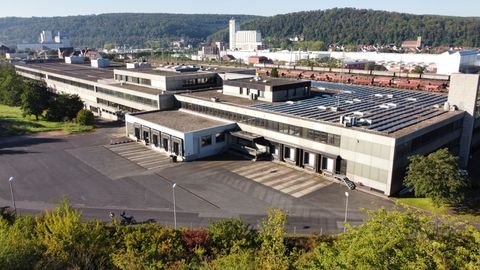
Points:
(98, 178)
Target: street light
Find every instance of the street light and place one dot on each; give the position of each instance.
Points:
(10, 181)
(346, 211)
(174, 210)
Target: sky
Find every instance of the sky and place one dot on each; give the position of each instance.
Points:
(50, 8)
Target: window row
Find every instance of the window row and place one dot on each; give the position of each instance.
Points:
(73, 83)
(146, 101)
(120, 107)
(132, 79)
(207, 139)
(306, 133)
(198, 81)
(36, 74)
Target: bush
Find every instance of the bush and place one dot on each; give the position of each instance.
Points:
(85, 117)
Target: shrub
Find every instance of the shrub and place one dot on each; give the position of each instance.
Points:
(85, 117)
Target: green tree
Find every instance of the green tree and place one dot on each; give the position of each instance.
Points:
(229, 235)
(418, 69)
(272, 253)
(64, 107)
(243, 259)
(11, 86)
(70, 243)
(274, 73)
(19, 248)
(148, 247)
(85, 117)
(398, 240)
(436, 176)
(35, 98)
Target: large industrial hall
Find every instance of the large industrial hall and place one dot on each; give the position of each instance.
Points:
(364, 133)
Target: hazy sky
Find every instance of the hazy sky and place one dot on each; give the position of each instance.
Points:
(49, 8)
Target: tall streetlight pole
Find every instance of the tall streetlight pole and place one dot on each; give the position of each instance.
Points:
(174, 210)
(346, 211)
(10, 181)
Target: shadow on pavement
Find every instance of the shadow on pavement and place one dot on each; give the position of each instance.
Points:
(26, 141)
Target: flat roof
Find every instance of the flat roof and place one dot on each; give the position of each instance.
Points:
(179, 120)
(383, 110)
(138, 88)
(386, 111)
(207, 95)
(165, 73)
(80, 71)
(265, 81)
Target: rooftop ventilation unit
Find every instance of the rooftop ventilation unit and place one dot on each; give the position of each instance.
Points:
(391, 105)
(436, 106)
(358, 113)
(335, 109)
(411, 99)
(323, 108)
(215, 99)
(348, 121)
(446, 106)
(347, 91)
(389, 96)
(378, 95)
(349, 101)
(265, 81)
(290, 102)
(357, 100)
(365, 122)
(383, 106)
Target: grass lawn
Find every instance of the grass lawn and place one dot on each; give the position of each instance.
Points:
(13, 123)
(427, 205)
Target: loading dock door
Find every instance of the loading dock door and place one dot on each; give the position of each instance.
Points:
(327, 164)
(137, 133)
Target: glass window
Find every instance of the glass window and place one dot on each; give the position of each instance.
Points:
(206, 140)
(286, 153)
(219, 137)
(306, 158)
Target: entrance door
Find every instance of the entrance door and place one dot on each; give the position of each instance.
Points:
(146, 137)
(165, 144)
(137, 133)
(176, 148)
(155, 140)
(327, 164)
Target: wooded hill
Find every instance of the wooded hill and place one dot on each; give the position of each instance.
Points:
(343, 26)
(361, 26)
(131, 29)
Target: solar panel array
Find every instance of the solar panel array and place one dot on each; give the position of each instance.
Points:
(379, 109)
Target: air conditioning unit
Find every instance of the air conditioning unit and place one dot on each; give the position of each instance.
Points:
(215, 99)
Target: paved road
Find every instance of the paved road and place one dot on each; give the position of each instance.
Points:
(98, 178)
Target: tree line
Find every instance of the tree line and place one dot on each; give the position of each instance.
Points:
(34, 99)
(361, 26)
(59, 239)
(130, 29)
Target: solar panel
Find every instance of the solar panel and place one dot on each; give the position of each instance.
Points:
(405, 107)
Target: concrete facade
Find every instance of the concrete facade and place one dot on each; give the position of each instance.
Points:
(183, 140)
(285, 121)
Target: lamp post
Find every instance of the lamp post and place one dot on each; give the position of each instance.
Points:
(10, 181)
(346, 211)
(174, 210)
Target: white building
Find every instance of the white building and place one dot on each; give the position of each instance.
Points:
(446, 63)
(243, 40)
(47, 41)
